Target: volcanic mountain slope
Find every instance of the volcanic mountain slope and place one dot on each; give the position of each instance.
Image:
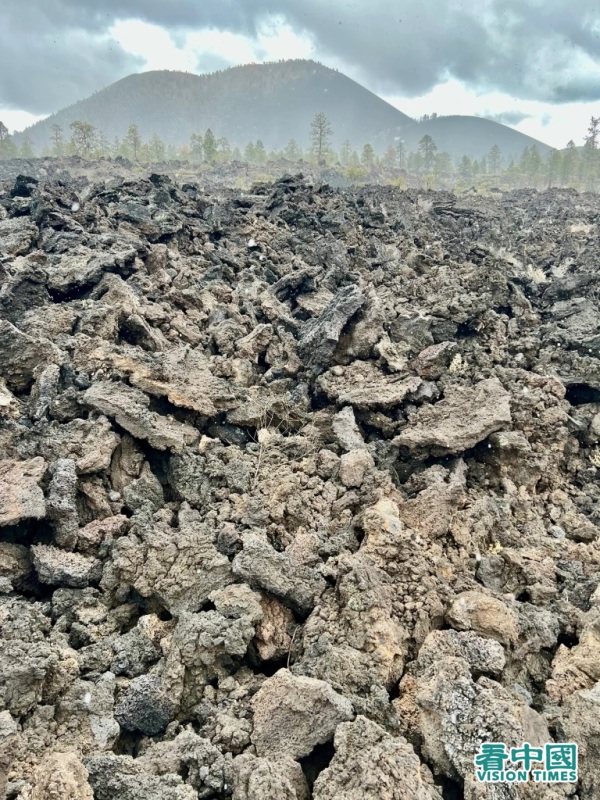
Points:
(472, 136)
(273, 102)
(298, 489)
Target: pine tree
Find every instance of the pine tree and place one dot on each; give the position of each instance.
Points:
(368, 155)
(156, 148)
(250, 153)
(442, 165)
(58, 141)
(428, 148)
(494, 160)
(535, 166)
(209, 146)
(103, 145)
(570, 164)
(8, 149)
(414, 163)
(197, 147)
(401, 155)
(83, 137)
(133, 141)
(389, 158)
(292, 151)
(320, 137)
(260, 154)
(465, 168)
(115, 147)
(223, 149)
(553, 167)
(26, 149)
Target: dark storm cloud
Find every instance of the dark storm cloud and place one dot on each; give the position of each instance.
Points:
(45, 65)
(583, 87)
(534, 49)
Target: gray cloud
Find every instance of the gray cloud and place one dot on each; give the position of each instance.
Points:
(581, 88)
(509, 117)
(529, 49)
(44, 67)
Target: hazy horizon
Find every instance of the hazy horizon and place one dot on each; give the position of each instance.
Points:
(535, 68)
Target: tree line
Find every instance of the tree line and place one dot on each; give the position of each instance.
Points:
(576, 167)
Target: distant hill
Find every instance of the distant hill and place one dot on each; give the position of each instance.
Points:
(473, 136)
(273, 102)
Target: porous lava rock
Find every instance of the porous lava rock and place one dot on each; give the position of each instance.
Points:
(298, 486)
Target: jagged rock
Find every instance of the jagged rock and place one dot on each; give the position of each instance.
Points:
(363, 447)
(17, 235)
(15, 564)
(484, 615)
(292, 715)
(121, 776)
(61, 568)
(45, 390)
(89, 442)
(349, 639)
(581, 724)
(208, 771)
(370, 764)
(464, 417)
(20, 494)
(354, 466)
(584, 657)
(181, 375)
(273, 639)
(320, 336)
(457, 714)
(130, 408)
(431, 363)
(72, 272)
(255, 778)
(482, 655)
(60, 776)
(145, 706)
(139, 647)
(260, 565)
(363, 386)
(84, 714)
(346, 430)
(256, 342)
(238, 600)
(61, 502)
(9, 405)
(146, 491)
(95, 533)
(28, 662)
(180, 566)
(22, 356)
(204, 646)
(8, 736)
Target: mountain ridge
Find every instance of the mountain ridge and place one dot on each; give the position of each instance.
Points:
(274, 102)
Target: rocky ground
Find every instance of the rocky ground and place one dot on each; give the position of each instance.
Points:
(80, 172)
(298, 489)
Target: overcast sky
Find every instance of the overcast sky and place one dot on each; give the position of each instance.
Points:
(533, 64)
